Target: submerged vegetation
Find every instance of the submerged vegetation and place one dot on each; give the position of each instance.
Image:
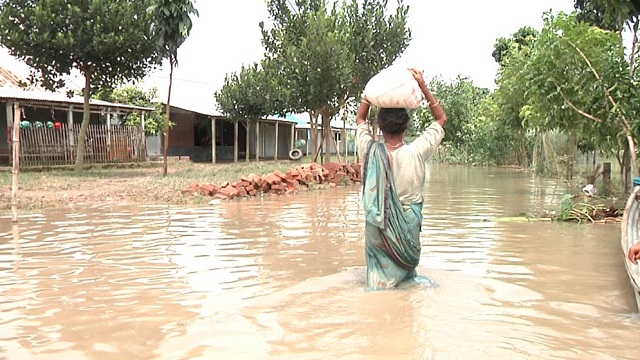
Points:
(587, 209)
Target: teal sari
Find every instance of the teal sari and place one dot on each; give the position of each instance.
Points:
(392, 233)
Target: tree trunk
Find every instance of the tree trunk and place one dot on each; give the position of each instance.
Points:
(313, 123)
(328, 134)
(86, 116)
(168, 121)
(15, 142)
(572, 157)
(555, 159)
(627, 170)
(535, 155)
(319, 151)
(524, 157)
(344, 132)
(620, 160)
(247, 155)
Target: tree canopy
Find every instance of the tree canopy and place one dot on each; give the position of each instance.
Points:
(608, 14)
(109, 42)
(319, 55)
(171, 25)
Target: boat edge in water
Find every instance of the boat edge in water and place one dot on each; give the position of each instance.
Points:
(630, 236)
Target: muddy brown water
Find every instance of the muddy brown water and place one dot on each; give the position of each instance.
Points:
(283, 277)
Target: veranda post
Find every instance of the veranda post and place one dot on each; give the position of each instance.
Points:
(15, 144)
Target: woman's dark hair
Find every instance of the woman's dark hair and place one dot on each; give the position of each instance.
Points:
(393, 121)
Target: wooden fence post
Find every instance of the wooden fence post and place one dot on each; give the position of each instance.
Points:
(15, 143)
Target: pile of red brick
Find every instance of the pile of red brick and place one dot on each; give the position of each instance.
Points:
(281, 183)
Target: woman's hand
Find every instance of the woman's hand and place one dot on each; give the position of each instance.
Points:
(434, 104)
(417, 74)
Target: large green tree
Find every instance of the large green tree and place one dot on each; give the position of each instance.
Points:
(578, 80)
(109, 42)
(310, 57)
(171, 24)
(608, 14)
(460, 99)
(319, 55)
(512, 53)
(250, 95)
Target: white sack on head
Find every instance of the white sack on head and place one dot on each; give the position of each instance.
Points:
(394, 87)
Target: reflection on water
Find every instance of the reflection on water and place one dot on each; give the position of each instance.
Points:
(283, 277)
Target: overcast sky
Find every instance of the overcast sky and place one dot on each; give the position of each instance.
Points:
(450, 37)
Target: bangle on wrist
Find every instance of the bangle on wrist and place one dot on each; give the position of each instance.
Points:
(365, 101)
(435, 104)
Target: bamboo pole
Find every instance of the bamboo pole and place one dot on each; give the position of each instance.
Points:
(275, 152)
(143, 139)
(213, 140)
(235, 142)
(247, 155)
(258, 140)
(110, 151)
(293, 136)
(16, 162)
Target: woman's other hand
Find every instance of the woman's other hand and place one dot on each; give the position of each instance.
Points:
(417, 74)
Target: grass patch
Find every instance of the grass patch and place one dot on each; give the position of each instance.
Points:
(137, 184)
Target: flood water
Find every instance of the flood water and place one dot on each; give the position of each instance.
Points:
(283, 277)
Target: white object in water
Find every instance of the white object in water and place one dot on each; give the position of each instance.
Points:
(590, 190)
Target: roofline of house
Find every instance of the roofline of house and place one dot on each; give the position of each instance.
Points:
(58, 101)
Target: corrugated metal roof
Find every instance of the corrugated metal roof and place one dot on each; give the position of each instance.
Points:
(13, 93)
(8, 79)
(187, 95)
(196, 97)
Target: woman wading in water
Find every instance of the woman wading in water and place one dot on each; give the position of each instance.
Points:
(393, 177)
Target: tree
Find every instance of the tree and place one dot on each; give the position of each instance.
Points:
(521, 40)
(461, 100)
(319, 57)
(109, 42)
(512, 53)
(307, 49)
(251, 95)
(578, 79)
(608, 14)
(133, 95)
(171, 23)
